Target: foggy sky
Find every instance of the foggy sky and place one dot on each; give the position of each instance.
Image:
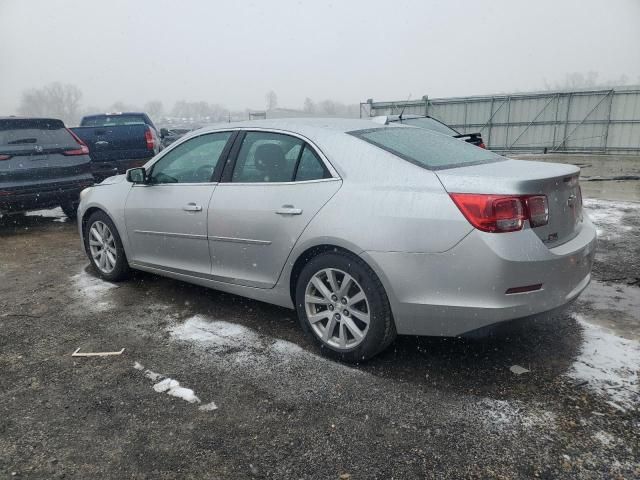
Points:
(233, 52)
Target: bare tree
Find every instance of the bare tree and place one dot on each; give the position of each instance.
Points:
(309, 106)
(54, 100)
(154, 109)
(272, 100)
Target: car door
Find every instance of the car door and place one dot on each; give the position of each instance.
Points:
(166, 218)
(271, 190)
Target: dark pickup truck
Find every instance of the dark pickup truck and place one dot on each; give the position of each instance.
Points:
(118, 141)
(42, 165)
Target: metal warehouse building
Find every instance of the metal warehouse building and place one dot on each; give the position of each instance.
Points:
(585, 121)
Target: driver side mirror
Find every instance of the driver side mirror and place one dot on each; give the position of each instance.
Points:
(137, 175)
(164, 133)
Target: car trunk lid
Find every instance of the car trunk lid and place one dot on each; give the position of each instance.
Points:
(559, 182)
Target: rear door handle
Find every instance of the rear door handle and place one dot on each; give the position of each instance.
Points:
(192, 207)
(289, 210)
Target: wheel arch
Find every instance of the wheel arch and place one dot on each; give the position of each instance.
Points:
(313, 251)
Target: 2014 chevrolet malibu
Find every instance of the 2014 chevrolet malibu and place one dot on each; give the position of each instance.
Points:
(367, 231)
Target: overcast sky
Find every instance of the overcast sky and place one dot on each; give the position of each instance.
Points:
(232, 52)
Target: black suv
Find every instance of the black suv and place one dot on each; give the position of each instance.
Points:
(42, 165)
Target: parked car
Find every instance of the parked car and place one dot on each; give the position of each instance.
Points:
(430, 123)
(118, 141)
(366, 230)
(170, 135)
(42, 165)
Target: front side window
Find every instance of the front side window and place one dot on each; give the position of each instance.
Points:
(425, 148)
(192, 161)
(267, 157)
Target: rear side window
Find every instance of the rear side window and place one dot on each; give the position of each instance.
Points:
(310, 166)
(267, 157)
(25, 135)
(425, 148)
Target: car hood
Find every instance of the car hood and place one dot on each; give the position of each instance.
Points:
(113, 180)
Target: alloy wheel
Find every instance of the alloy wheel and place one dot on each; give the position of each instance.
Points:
(337, 308)
(103, 247)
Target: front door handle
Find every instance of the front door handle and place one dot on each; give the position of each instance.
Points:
(289, 210)
(192, 207)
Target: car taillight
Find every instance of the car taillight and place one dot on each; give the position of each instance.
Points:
(148, 136)
(502, 213)
(4, 157)
(83, 150)
(482, 145)
(537, 210)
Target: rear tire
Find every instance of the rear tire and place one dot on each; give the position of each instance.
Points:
(104, 248)
(343, 307)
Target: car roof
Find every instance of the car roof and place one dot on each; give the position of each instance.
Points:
(308, 127)
(40, 119)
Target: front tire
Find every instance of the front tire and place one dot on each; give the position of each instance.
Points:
(343, 307)
(104, 248)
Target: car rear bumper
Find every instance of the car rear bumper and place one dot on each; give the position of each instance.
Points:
(44, 195)
(463, 289)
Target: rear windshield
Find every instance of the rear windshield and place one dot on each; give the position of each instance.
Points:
(425, 148)
(431, 124)
(113, 120)
(27, 134)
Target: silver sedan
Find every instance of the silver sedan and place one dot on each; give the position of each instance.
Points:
(367, 230)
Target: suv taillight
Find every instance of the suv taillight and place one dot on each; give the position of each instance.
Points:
(148, 136)
(502, 213)
(83, 150)
(4, 157)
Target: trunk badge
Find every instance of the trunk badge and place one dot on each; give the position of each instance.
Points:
(571, 201)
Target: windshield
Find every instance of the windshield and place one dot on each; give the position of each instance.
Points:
(425, 148)
(430, 124)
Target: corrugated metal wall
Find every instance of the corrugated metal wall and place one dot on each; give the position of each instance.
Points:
(593, 121)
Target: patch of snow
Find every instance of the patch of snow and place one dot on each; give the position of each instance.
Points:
(208, 407)
(613, 296)
(610, 364)
(605, 438)
(92, 290)
(608, 216)
(502, 414)
(51, 213)
(173, 388)
(214, 333)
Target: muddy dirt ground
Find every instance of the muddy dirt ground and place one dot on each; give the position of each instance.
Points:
(258, 401)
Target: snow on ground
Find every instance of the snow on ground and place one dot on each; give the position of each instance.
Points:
(502, 415)
(613, 296)
(238, 342)
(610, 364)
(608, 215)
(92, 290)
(173, 388)
(56, 213)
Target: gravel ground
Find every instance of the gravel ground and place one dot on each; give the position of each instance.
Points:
(215, 386)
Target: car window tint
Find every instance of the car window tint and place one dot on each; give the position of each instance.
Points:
(192, 161)
(267, 157)
(310, 166)
(425, 148)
